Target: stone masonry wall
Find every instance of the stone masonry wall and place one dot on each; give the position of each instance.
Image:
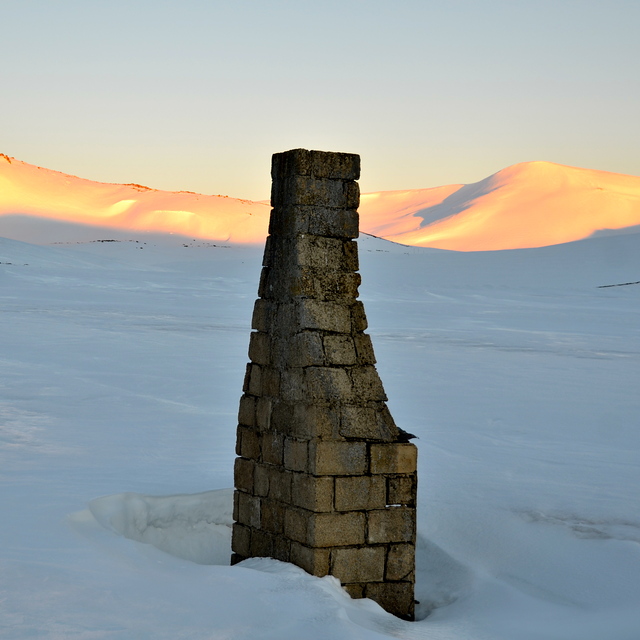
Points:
(324, 478)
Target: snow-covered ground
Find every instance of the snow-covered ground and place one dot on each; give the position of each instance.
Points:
(120, 374)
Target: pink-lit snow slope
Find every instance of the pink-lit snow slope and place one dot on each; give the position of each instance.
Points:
(28, 190)
(531, 204)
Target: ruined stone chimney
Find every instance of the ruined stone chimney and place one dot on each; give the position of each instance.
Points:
(324, 478)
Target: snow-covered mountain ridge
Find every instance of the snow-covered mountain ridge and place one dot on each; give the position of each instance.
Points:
(531, 204)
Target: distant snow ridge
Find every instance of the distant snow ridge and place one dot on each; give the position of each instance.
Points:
(531, 204)
(194, 527)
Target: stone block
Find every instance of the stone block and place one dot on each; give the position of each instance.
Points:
(357, 493)
(311, 191)
(359, 317)
(272, 448)
(247, 510)
(401, 490)
(292, 389)
(364, 564)
(261, 544)
(350, 250)
(302, 350)
(297, 523)
(296, 454)
(261, 477)
(355, 590)
(367, 385)
(254, 382)
(293, 220)
(323, 316)
(395, 597)
(323, 285)
(270, 382)
(394, 457)
(327, 458)
(339, 349)
(364, 349)
(272, 514)
(327, 385)
(401, 562)
(394, 524)
(306, 421)
(336, 529)
(324, 529)
(313, 561)
(317, 252)
(241, 540)
(312, 492)
(280, 484)
(321, 164)
(259, 348)
(263, 313)
(243, 474)
(282, 548)
(263, 413)
(247, 443)
(366, 423)
(247, 411)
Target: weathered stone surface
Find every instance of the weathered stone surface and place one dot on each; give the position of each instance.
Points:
(358, 317)
(254, 382)
(366, 423)
(339, 350)
(363, 564)
(243, 474)
(320, 164)
(401, 490)
(296, 454)
(248, 443)
(319, 462)
(327, 384)
(315, 192)
(323, 316)
(328, 458)
(280, 481)
(302, 350)
(336, 529)
(396, 457)
(364, 349)
(355, 590)
(273, 448)
(401, 562)
(313, 561)
(261, 544)
(259, 348)
(312, 493)
(247, 411)
(263, 312)
(367, 385)
(394, 597)
(359, 493)
(272, 514)
(247, 509)
(263, 413)
(293, 220)
(241, 540)
(394, 524)
(261, 477)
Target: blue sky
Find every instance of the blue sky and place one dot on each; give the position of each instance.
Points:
(197, 95)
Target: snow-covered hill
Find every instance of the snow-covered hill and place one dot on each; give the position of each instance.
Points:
(531, 204)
